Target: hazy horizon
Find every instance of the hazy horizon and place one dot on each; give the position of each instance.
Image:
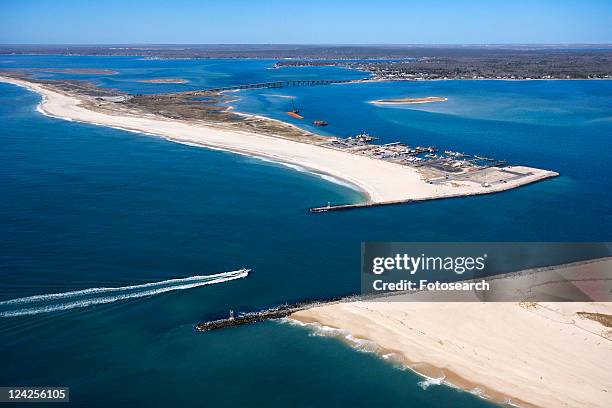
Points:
(161, 44)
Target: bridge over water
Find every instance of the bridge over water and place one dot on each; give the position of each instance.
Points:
(276, 84)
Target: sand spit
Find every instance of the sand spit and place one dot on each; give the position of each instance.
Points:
(409, 101)
(164, 81)
(380, 180)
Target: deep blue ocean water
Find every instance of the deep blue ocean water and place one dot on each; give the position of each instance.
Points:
(86, 206)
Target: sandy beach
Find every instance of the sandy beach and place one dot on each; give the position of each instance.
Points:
(545, 354)
(409, 101)
(164, 81)
(381, 181)
(81, 71)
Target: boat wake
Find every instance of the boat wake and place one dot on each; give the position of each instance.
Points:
(54, 302)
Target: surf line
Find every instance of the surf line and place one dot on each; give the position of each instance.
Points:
(94, 296)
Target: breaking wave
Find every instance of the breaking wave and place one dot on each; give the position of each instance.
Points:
(319, 330)
(368, 346)
(428, 381)
(54, 302)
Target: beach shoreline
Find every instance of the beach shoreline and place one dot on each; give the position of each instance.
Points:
(42, 108)
(431, 375)
(359, 323)
(380, 181)
(409, 101)
(521, 352)
(164, 81)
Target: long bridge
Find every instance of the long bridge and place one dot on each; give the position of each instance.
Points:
(277, 84)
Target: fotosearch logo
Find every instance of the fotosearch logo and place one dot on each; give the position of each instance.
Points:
(414, 264)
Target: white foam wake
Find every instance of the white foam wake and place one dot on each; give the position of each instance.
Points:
(94, 296)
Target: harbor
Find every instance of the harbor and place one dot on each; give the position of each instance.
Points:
(436, 168)
(428, 157)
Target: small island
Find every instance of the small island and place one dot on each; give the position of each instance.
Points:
(406, 101)
(82, 71)
(165, 81)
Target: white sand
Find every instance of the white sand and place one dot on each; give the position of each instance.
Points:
(546, 356)
(380, 180)
(409, 101)
(531, 354)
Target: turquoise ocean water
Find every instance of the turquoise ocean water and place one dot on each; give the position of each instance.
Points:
(88, 207)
